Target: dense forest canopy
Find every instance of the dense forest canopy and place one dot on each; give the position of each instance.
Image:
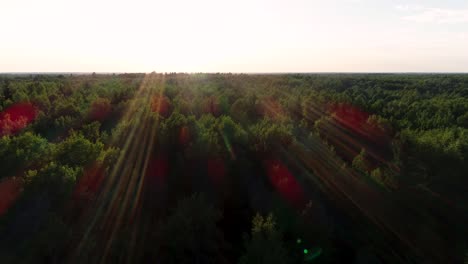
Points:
(234, 168)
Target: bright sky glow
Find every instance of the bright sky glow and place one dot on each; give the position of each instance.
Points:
(234, 36)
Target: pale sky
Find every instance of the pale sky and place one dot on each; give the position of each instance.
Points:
(234, 36)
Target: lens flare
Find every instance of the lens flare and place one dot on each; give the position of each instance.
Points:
(10, 190)
(16, 117)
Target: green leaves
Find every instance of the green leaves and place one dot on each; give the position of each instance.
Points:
(360, 162)
(22, 150)
(92, 131)
(265, 245)
(264, 225)
(266, 135)
(220, 134)
(55, 179)
(76, 150)
(449, 142)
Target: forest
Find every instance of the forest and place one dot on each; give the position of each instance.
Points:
(233, 168)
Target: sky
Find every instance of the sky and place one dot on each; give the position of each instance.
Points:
(234, 36)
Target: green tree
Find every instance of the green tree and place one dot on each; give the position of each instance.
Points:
(76, 150)
(21, 151)
(463, 120)
(190, 234)
(267, 135)
(92, 131)
(55, 179)
(360, 162)
(265, 245)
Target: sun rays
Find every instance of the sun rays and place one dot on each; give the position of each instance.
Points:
(119, 201)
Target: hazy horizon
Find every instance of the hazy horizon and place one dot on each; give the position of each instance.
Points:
(248, 73)
(297, 36)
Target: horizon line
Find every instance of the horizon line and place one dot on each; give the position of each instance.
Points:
(248, 73)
